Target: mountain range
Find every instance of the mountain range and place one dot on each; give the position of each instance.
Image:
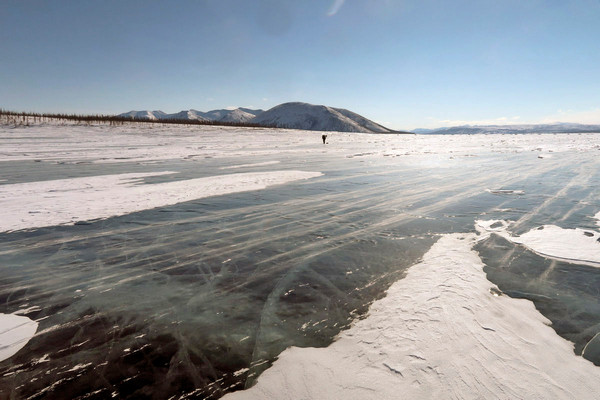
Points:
(559, 127)
(236, 115)
(293, 115)
(296, 115)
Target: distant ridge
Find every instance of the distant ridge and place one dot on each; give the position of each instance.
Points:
(238, 115)
(559, 127)
(153, 115)
(294, 115)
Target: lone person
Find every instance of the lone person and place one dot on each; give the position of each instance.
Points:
(323, 137)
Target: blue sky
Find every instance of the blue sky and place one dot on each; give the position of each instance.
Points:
(406, 64)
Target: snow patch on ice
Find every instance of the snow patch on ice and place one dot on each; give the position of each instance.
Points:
(580, 246)
(438, 333)
(260, 164)
(573, 245)
(505, 191)
(492, 225)
(78, 367)
(68, 201)
(15, 332)
(241, 371)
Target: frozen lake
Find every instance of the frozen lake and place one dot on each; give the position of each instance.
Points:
(179, 262)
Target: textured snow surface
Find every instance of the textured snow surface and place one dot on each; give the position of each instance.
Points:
(66, 201)
(439, 333)
(15, 332)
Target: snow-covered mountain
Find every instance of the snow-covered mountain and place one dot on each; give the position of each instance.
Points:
(536, 128)
(225, 115)
(317, 118)
(287, 115)
(236, 115)
(153, 115)
(189, 114)
(251, 111)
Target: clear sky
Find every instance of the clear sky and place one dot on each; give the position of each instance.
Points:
(403, 63)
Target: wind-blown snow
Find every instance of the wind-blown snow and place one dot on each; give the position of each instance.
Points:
(439, 333)
(15, 332)
(66, 201)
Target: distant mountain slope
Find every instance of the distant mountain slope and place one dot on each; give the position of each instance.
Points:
(294, 115)
(362, 121)
(225, 115)
(488, 129)
(251, 111)
(189, 114)
(237, 115)
(154, 115)
(317, 118)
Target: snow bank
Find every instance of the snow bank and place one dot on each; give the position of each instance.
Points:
(66, 201)
(439, 333)
(572, 245)
(15, 332)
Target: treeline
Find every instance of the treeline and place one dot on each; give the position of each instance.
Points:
(28, 118)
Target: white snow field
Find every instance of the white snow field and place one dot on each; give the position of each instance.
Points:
(150, 143)
(195, 261)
